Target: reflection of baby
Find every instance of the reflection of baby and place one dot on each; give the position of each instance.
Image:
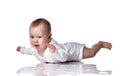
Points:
(72, 68)
(46, 49)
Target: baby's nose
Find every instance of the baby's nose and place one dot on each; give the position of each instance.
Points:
(35, 40)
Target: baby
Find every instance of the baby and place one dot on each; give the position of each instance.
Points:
(46, 49)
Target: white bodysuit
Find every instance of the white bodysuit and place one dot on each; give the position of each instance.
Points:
(70, 51)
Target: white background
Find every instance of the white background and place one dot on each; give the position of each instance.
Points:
(84, 21)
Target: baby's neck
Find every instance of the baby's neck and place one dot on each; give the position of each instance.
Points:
(41, 52)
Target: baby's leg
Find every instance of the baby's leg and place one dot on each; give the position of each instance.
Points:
(91, 52)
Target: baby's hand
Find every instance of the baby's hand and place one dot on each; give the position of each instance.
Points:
(18, 48)
(51, 47)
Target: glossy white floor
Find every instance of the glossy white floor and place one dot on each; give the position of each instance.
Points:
(62, 69)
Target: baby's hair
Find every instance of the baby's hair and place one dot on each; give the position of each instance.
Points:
(41, 21)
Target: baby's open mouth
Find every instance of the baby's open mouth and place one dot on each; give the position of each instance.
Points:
(36, 46)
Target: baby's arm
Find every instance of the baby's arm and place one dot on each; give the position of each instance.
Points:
(23, 50)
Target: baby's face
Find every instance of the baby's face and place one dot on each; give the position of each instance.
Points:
(39, 37)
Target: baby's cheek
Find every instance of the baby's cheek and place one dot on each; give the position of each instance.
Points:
(42, 43)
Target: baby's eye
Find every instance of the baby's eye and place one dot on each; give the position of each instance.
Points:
(39, 36)
(31, 36)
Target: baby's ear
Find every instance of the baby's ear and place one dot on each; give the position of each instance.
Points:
(49, 37)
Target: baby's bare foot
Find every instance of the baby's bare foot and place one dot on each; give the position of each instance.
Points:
(106, 45)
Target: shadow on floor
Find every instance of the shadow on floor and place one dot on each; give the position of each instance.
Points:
(61, 69)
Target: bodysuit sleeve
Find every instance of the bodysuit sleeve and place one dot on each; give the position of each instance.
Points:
(28, 51)
(60, 53)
